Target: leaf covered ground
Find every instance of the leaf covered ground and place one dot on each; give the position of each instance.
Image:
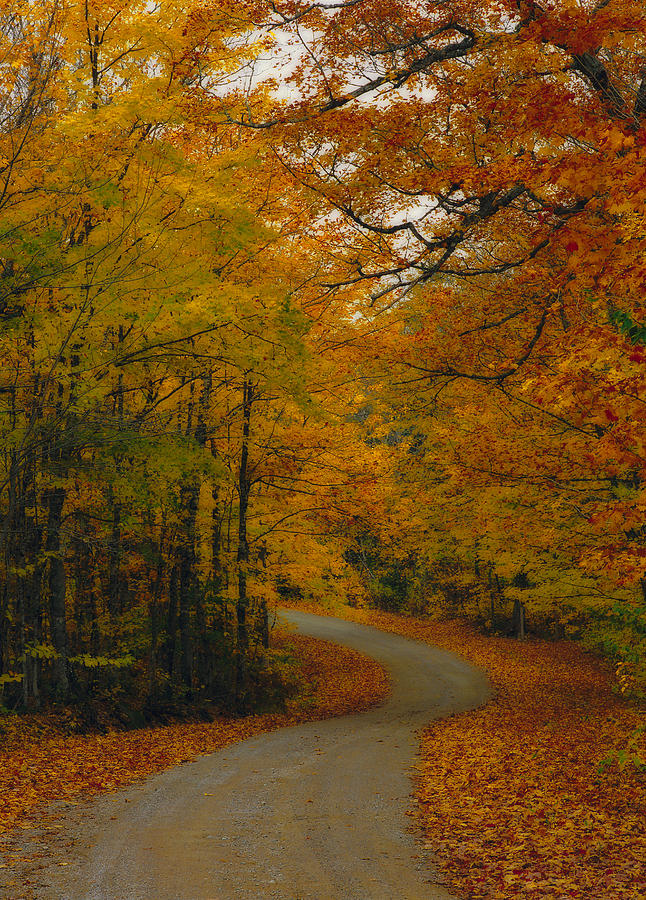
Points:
(533, 795)
(40, 763)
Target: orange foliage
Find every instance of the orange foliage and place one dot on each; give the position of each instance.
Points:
(40, 764)
(514, 797)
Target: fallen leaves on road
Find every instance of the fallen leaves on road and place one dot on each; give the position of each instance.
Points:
(514, 798)
(38, 763)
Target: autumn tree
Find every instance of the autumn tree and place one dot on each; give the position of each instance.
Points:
(107, 230)
(481, 167)
(164, 426)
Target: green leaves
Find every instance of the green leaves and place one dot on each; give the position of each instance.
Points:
(625, 324)
(101, 662)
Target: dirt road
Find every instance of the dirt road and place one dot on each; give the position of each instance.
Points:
(314, 812)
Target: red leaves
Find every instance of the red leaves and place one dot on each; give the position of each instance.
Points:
(40, 763)
(512, 797)
(515, 789)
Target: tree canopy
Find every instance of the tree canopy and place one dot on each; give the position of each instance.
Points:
(307, 299)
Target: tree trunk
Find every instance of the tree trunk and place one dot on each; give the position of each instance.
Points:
(216, 541)
(242, 556)
(154, 618)
(264, 623)
(114, 562)
(173, 590)
(32, 601)
(55, 498)
(190, 497)
(519, 619)
(25, 547)
(492, 602)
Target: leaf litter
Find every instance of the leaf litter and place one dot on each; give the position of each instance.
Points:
(39, 763)
(534, 795)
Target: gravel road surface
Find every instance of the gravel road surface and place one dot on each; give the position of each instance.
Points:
(313, 812)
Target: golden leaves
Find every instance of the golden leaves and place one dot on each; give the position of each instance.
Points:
(512, 796)
(40, 763)
(524, 798)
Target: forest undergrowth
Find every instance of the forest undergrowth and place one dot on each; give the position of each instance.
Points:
(540, 793)
(41, 762)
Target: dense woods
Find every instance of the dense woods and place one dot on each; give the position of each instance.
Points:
(308, 300)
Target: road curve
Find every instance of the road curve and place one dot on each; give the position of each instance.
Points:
(313, 812)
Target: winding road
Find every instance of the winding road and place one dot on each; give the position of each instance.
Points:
(313, 812)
